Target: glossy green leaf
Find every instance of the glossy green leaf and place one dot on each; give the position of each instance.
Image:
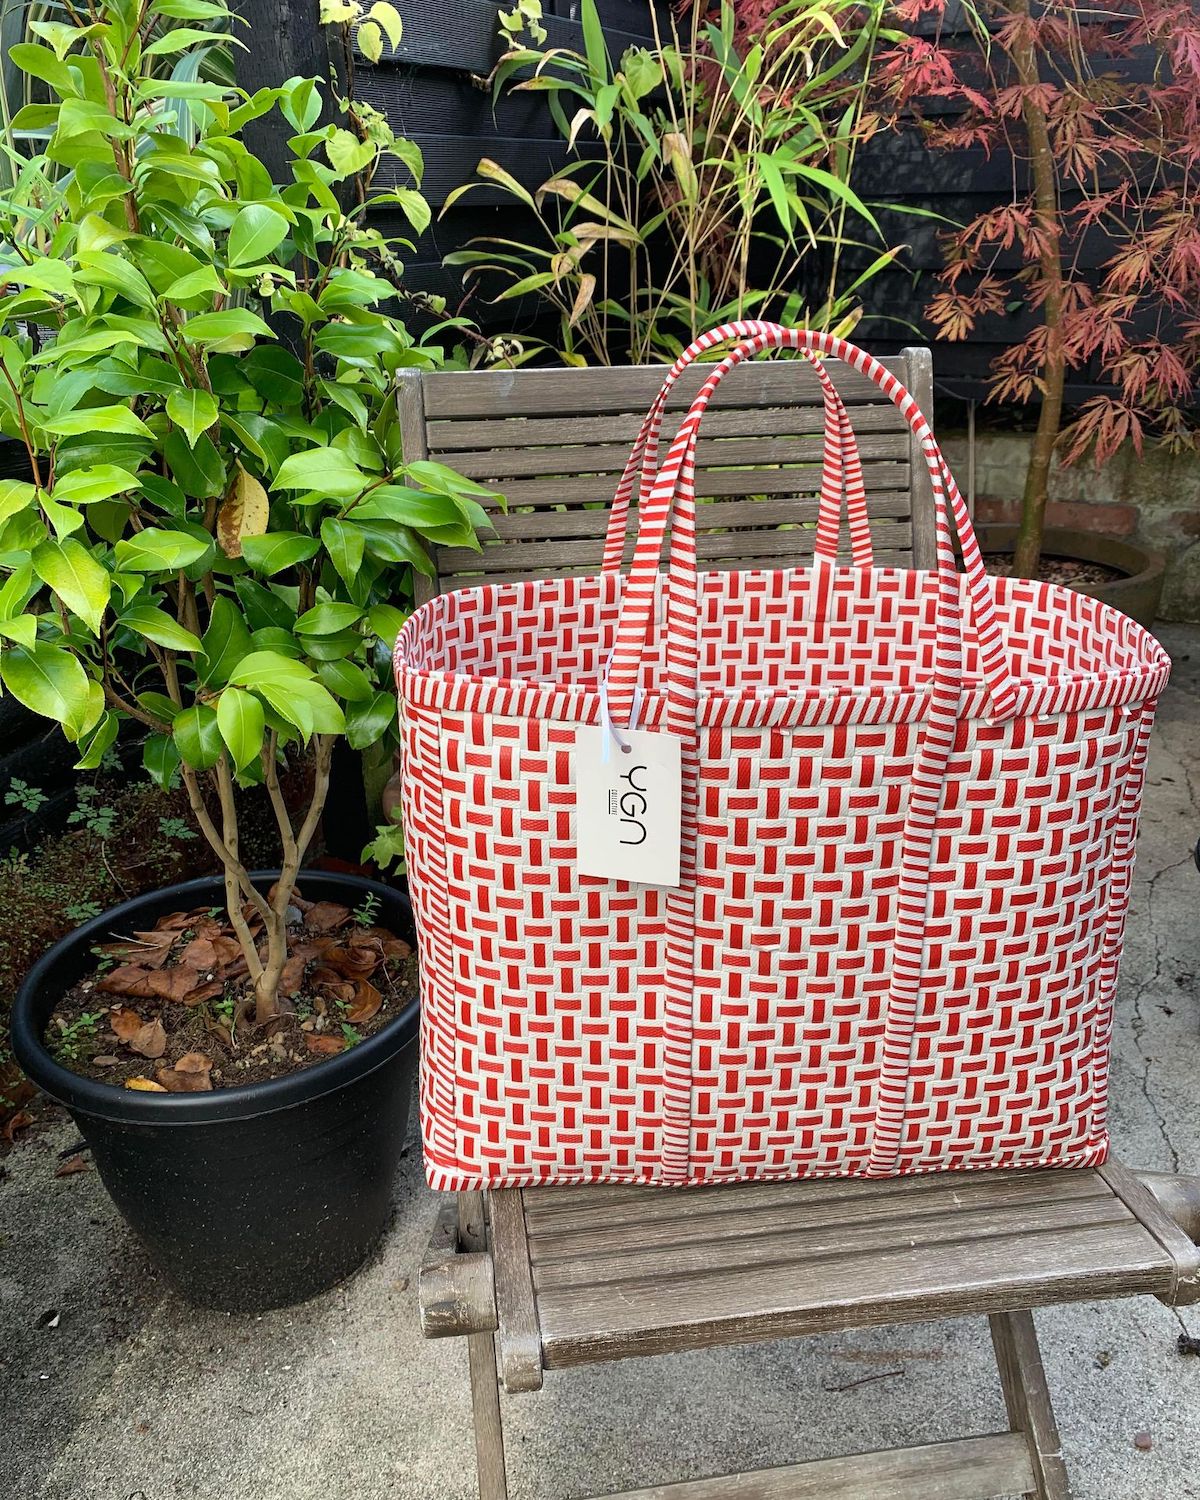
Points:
(15, 495)
(109, 419)
(241, 724)
(98, 482)
(328, 617)
(73, 574)
(366, 722)
(225, 643)
(51, 682)
(346, 680)
(256, 231)
(277, 550)
(160, 756)
(198, 737)
(387, 622)
(158, 626)
(102, 738)
(197, 467)
(192, 410)
(263, 669)
(327, 471)
(231, 329)
(157, 551)
(344, 543)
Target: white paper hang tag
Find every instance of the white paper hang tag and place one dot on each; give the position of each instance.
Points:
(628, 804)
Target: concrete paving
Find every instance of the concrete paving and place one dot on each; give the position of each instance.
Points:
(129, 1394)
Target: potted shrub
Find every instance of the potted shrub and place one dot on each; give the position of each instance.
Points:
(1099, 155)
(215, 546)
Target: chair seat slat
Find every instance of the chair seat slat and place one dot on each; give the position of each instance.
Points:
(852, 1289)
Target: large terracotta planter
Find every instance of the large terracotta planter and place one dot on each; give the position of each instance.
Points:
(1138, 594)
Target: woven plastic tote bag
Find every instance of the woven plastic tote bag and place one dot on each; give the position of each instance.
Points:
(907, 811)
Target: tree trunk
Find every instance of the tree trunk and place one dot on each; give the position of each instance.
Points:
(1028, 551)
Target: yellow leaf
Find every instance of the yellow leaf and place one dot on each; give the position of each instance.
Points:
(583, 297)
(389, 18)
(145, 1085)
(565, 187)
(580, 119)
(370, 41)
(334, 12)
(244, 512)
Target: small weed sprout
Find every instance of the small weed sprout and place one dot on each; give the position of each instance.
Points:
(175, 828)
(96, 816)
(82, 911)
(74, 1036)
(21, 794)
(367, 914)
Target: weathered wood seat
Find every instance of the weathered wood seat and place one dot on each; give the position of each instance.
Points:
(561, 1277)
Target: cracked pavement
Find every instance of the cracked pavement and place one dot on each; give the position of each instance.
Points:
(132, 1395)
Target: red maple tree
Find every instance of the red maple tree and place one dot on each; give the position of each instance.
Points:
(1100, 110)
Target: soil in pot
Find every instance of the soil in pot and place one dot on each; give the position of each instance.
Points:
(1074, 572)
(170, 1009)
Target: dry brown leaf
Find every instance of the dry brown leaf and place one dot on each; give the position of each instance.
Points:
(150, 950)
(353, 961)
(333, 986)
(119, 981)
(212, 953)
(125, 1023)
(176, 921)
(190, 1075)
(244, 512)
(151, 1040)
(145, 1085)
(180, 983)
(292, 976)
(193, 1062)
(72, 1165)
(20, 1121)
(323, 1046)
(366, 1003)
(105, 1060)
(326, 916)
(218, 1029)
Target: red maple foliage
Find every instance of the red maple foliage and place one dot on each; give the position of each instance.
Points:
(1102, 234)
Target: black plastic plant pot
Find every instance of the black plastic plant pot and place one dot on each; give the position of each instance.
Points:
(253, 1197)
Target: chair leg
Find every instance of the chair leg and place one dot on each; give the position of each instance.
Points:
(1027, 1398)
(485, 1380)
(485, 1408)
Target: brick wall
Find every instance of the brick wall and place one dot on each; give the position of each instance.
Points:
(1153, 501)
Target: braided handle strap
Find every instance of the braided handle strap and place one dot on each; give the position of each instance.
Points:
(841, 464)
(671, 501)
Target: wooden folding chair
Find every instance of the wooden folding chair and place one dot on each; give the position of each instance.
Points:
(561, 1277)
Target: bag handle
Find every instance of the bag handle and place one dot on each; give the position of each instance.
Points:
(672, 501)
(841, 464)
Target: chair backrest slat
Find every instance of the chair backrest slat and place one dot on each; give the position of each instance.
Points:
(554, 442)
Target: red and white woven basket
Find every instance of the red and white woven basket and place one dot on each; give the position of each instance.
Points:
(909, 809)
